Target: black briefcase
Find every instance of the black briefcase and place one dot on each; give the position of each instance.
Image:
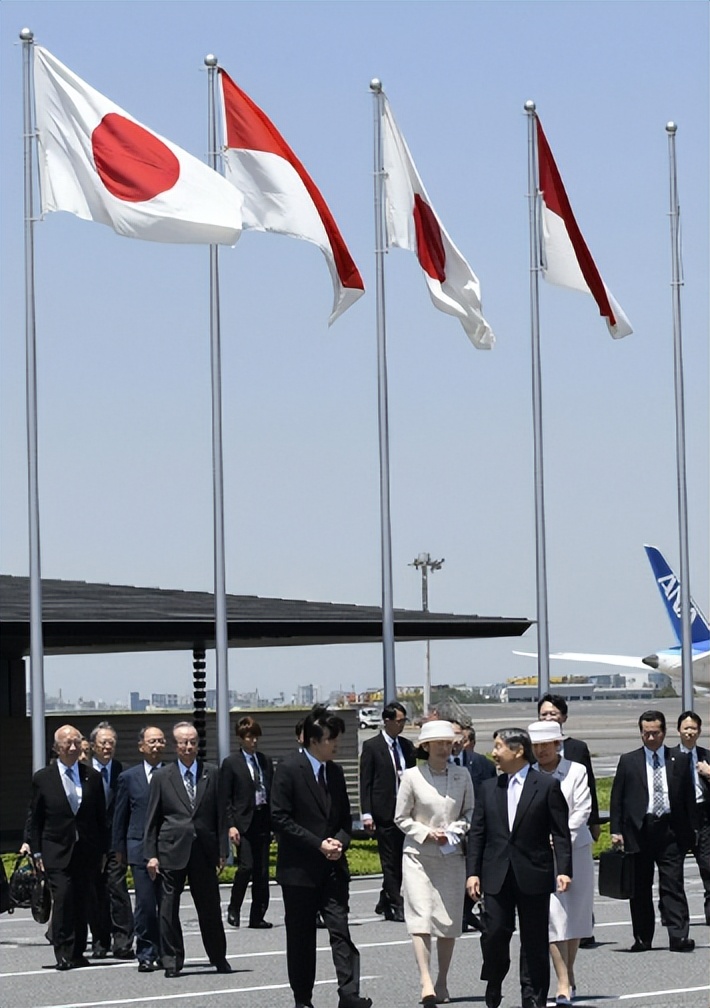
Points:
(616, 874)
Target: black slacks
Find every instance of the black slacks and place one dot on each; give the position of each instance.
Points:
(253, 866)
(301, 904)
(145, 915)
(71, 890)
(659, 847)
(390, 841)
(201, 873)
(110, 913)
(499, 924)
(701, 850)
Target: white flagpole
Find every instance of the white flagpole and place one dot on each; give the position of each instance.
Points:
(543, 640)
(676, 284)
(220, 591)
(39, 755)
(390, 682)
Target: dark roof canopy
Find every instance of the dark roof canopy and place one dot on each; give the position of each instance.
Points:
(82, 618)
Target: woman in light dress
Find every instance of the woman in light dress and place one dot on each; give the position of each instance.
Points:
(434, 808)
(570, 911)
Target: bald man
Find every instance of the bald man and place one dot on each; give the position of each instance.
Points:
(69, 841)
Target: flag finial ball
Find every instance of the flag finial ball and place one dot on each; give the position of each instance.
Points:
(26, 34)
(529, 105)
(376, 85)
(210, 60)
(671, 127)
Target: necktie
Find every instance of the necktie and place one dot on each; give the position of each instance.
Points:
(104, 775)
(322, 783)
(190, 786)
(256, 772)
(657, 786)
(397, 757)
(512, 800)
(457, 760)
(72, 793)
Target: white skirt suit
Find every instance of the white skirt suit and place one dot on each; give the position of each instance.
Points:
(571, 911)
(433, 883)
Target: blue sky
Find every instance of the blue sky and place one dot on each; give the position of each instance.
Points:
(123, 337)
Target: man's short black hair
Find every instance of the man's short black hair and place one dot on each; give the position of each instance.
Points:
(517, 738)
(654, 715)
(556, 700)
(693, 717)
(318, 722)
(389, 713)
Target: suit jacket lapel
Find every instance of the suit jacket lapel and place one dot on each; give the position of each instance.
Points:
(179, 785)
(202, 776)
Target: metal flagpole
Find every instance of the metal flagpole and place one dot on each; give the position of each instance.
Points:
(220, 592)
(39, 755)
(676, 284)
(543, 640)
(390, 683)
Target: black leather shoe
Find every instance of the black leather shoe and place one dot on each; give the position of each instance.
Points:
(355, 1001)
(80, 962)
(380, 908)
(146, 966)
(63, 965)
(171, 973)
(99, 953)
(494, 995)
(124, 953)
(682, 945)
(640, 946)
(398, 916)
(222, 966)
(587, 942)
(232, 919)
(261, 925)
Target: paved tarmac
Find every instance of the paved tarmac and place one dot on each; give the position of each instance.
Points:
(606, 975)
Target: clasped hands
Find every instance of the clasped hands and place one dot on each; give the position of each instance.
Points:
(331, 849)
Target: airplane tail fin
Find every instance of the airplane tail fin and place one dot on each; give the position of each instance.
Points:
(669, 587)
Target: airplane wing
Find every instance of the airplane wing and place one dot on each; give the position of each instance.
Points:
(604, 659)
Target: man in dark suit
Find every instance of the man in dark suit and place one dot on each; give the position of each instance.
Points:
(651, 813)
(510, 862)
(382, 761)
(480, 767)
(245, 781)
(310, 813)
(128, 827)
(67, 829)
(186, 840)
(110, 913)
(689, 727)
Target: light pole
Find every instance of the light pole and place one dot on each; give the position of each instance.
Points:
(424, 563)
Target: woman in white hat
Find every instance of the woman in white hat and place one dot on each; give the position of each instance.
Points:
(570, 911)
(434, 808)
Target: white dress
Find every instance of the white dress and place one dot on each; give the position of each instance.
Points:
(571, 911)
(433, 882)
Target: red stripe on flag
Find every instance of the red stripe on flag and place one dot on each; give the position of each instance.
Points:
(430, 248)
(555, 197)
(248, 128)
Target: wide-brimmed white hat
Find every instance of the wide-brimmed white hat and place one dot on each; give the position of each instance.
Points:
(435, 731)
(545, 731)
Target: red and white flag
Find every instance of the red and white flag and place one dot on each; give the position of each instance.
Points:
(566, 260)
(279, 194)
(412, 223)
(99, 163)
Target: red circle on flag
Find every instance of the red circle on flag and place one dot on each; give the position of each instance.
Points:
(132, 162)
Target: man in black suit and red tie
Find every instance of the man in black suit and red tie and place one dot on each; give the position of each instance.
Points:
(129, 814)
(689, 727)
(110, 912)
(186, 840)
(310, 813)
(68, 838)
(245, 781)
(382, 761)
(651, 815)
(510, 862)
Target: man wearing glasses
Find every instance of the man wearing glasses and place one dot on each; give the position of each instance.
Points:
(186, 840)
(382, 762)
